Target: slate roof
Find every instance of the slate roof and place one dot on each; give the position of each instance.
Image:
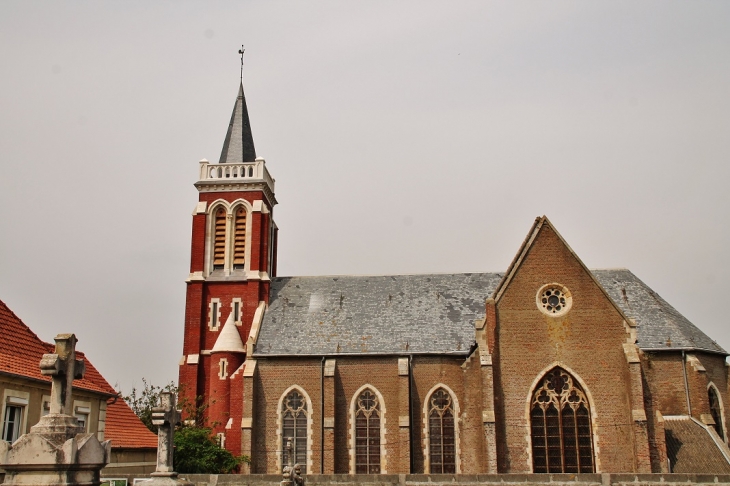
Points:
(659, 325)
(691, 449)
(430, 314)
(20, 355)
(238, 145)
(394, 314)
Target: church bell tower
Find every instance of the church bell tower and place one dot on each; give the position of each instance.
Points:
(232, 259)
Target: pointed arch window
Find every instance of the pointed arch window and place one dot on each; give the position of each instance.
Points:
(441, 430)
(560, 422)
(219, 239)
(716, 411)
(239, 238)
(367, 433)
(294, 428)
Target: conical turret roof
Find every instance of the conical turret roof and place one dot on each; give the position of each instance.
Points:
(238, 146)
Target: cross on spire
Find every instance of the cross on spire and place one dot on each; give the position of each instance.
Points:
(64, 368)
(241, 51)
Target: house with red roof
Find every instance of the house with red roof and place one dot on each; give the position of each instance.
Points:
(97, 406)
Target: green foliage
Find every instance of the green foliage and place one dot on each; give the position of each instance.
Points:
(144, 400)
(197, 452)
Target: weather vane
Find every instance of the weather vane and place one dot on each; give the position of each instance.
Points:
(241, 51)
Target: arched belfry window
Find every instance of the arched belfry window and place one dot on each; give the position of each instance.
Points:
(560, 421)
(239, 237)
(715, 410)
(294, 427)
(219, 239)
(367, 433)
(441, 433)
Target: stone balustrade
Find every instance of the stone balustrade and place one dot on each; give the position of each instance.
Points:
(256, 171)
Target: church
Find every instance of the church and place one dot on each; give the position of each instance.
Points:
(547, 367)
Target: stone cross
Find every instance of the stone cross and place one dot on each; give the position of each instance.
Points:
(166, 417)
(64, 368)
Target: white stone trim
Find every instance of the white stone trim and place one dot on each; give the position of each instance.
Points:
(214, 321)
(200, 208)
(591, 404)
(722, 407)
(253, 334)
(280, 425)
(193, 358)
(351, 428)
(427, 431)
(18, 399)
(230, 208)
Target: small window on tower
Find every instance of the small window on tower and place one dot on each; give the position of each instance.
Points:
(214, 318)
(219, 240)
(239, 238)
(236, 309)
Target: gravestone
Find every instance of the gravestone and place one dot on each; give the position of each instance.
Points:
(56, 451)
(165, 416)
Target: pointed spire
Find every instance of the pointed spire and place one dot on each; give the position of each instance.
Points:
(238, 146)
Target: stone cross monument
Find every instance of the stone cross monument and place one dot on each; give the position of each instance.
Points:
(165, 417)
(56, 451)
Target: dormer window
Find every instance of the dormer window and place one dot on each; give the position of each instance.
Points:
(239, 238)
(219, 240)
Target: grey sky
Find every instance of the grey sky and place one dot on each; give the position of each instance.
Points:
(405, 137)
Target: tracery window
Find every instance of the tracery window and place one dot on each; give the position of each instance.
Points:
(219, 239)
(294, 428)
(560, 422)
(239, 238)
(441, 439)
(367, 433)
(715, 411)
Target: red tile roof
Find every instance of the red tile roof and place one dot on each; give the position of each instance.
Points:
(124, 428)
(20, 355)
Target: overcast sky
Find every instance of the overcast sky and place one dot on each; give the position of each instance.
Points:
(405, 137)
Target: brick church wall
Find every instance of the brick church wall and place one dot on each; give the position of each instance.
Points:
(588, 341)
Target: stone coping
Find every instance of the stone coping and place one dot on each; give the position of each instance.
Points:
(605, 479)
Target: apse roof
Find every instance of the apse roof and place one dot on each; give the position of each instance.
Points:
(431, 314)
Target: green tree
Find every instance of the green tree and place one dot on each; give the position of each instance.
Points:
(196, 450)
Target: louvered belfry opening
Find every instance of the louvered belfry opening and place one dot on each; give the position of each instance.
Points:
(239, 238)
(441, 440)
(219, 239)
(560, 422)
(294, 428)
(367, 434)
(715, 411)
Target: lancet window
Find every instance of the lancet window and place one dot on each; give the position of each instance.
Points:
(716, 411)
(441, 429)
(219, 239)
(239, 237)
(367, 433)
(560, 421)
(294, 428)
